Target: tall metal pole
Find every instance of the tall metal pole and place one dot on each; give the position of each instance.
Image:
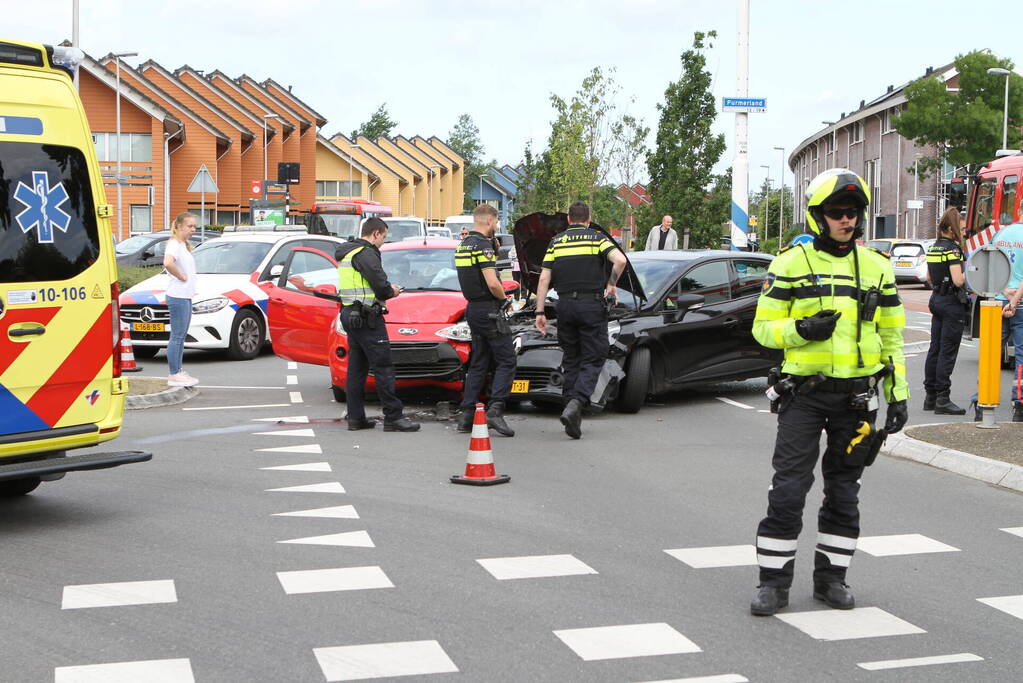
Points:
(740, 164)
(767, 207)
(117, 172)
(1005, 116)
(74, 33)
(781, 198)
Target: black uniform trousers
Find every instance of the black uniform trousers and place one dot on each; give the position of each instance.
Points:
(801, 420)
(582, 335)
(369, 349)
(489, 349)
(948, 318)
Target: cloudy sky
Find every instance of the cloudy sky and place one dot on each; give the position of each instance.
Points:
(431, 61)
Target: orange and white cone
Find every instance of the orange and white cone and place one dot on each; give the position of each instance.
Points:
(128, 363)
(479, 465)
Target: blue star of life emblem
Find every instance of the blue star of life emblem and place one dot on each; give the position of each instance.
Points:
(42, 206)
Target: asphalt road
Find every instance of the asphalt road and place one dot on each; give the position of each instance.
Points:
(212, 583)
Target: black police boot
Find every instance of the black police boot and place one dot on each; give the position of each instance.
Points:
(356, 425)
(835, 594)
(402, 424)
(572, 418)
(768, 600)
(943, 406)
(495, 419)
(464, 424)
(929, 399)
(1017, 412)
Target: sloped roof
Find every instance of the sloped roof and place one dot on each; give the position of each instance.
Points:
(286, 93)
(345, 155)
(151, 64)
(171, 123)
(276, 102)
(219, 76)
(387, 168)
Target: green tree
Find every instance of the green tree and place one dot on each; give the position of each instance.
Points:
(379, 125)
(966, 125)
(607, 208)
(680, 167)
(464, 138)
(766, 203)
(628, 152)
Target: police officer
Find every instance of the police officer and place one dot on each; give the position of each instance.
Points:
(576, 266)
(834, 309)
(476, 261)
(363, 288)
(948, 314)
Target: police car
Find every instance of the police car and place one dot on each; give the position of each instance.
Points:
(234, 278)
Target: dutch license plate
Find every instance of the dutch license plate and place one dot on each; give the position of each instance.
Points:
(147, 327)
(904, 264)
(520, 386)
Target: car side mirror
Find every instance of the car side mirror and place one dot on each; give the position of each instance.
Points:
(275, 271)
(684, 304)
(147, 254)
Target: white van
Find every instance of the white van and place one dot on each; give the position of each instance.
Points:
(403, 227)
(456, 223)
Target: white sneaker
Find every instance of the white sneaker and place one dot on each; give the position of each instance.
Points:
(181, 380)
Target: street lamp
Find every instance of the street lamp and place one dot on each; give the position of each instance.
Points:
(429, 192)
(833, 139)
(266, 117)
(996, 71)
(117, 173)
(781, 197)
(767, 207)
(351, 178)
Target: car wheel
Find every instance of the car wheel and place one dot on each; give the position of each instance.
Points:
(247, 336)
(637, 382)
(339, 393)
(145, 351)
(19, 487)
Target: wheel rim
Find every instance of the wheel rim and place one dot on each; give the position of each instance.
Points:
(248, 335)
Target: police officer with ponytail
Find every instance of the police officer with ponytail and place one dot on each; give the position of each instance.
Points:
(832, 306)
(363, 288)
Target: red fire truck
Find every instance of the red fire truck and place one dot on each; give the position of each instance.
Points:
(343, 218)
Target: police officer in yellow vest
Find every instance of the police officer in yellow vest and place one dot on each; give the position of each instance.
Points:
(834, 309)
(363, 288)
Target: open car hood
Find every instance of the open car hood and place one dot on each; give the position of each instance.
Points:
(533, 234)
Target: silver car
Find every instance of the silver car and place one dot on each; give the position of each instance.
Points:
(909, 261)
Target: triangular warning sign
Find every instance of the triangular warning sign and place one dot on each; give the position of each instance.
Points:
(203, 182)
(96, 293)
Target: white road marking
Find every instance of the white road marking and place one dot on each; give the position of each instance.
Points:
(380, 660)
(291, 379)
(902, 544)
(720, 556)
(350, 539)
(152, 671)
(720, 678)
(326, 580)
(292, 365)
(263, 405)
(213, 386)
(861, 622)
(761, 410)
(1010, 604)
(336, 512)
(632, 640)
(535, 566)
(307, 448)
(305, 467)
(919, 661)
(326, 487)
(118, 594)
(293, 418)
(296, 396)
(734, 403)
(1015, 530)
(289, 432)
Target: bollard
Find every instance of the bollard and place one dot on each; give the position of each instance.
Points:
(990, 361)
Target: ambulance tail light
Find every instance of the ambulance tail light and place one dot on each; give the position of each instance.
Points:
(115, 314)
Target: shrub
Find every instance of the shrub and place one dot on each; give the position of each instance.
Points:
(128, 276)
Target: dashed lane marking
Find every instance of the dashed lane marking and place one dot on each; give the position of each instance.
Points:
(326, 487)
(292, 365)
(1010, 604)
(735, 403)
(305, 467)
(308, 433)
(902, 544)
(307, 448)
(535, 566)
(920, 661)
(328, 580)
(263, 405)
(719, 556)
(118, 594)
(291, 379)
(632, 640)
(293, 418)
(1015, 531)
(380, 660)
(335, 512)
(162, 670)
(719, 678)
(296, 396)
(350, 539)
(861, 622)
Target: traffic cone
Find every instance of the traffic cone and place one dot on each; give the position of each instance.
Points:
(128, 363)
(479, 465)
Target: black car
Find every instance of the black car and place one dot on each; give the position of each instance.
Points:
(682, 318)
(147, 249)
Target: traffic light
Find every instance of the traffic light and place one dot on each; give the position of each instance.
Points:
(288, 172)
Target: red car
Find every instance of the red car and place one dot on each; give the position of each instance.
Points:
(430, 340)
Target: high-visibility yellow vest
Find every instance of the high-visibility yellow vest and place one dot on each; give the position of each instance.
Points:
(352, 286)
(802, 281)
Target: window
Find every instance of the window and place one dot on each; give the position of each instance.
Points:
(856, 130)
(309, 270)
(338, 188)
(709, 279)
(888, 120)
(141, 218)
(751, 275)
(983, 204)
(134, 146)
(1007, 207)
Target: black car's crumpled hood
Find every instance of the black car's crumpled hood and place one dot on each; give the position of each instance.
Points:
(533, 234)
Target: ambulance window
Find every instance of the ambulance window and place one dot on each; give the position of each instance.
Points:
(48, 227)
(1007, 207)
(984, 203)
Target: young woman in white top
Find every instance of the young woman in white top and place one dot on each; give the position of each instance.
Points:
(180, 265)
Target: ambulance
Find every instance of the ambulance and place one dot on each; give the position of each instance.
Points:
(60, 377)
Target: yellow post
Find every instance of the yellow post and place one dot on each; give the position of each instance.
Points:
(990, 361)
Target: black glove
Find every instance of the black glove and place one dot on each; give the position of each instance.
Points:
(898, 416)
(819, 326)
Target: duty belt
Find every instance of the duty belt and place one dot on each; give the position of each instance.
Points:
(847, 385)
(581, 295)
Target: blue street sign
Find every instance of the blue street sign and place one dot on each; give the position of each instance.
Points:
(744, 104)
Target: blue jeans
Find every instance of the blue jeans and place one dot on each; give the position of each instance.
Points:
(180, 317)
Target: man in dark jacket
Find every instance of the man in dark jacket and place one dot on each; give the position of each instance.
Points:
(363, 287)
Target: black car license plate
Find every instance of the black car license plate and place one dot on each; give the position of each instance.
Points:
(409, 356)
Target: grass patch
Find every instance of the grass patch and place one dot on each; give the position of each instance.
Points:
(128, 276)
(146, 385)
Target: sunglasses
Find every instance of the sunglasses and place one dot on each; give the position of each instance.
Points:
(836, 214)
